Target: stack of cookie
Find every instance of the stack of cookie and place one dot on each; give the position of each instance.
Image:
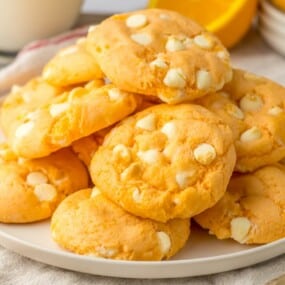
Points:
(150, 104)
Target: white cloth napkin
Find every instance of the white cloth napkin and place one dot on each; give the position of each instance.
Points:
(252, 54)
(31, 60)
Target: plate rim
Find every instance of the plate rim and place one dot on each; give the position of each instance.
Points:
(169, 267)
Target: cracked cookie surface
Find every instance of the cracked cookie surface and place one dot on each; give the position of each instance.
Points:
(165, 162)
(161, 53)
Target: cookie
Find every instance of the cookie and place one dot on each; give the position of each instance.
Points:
(259, 119)
(72, 65)
(66, 118)
(30, 190)
(29, 97)
(89, 224)
(86, 147)
(166, 162)
(160, 53)
(252, 210)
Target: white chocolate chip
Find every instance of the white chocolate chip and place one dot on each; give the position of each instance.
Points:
(205, 153)
(106, 252)
(114, 94)
(275, 111)
(174, 44)
(136, 21)
(222, 55)
(131, 172)
(69, 50)
(149, 156)
(81, 41)
(169, 129)
(147, 123)
(92, 28)
(57, 109)
(35, 178)
(164, 17)
(15, 88)
(168, 151)
(95, 192)
(164, 242)
(203, 79)
(176, 96)
(45, 192)
(122, 151)
(251, 134)
(240, 228)
(160, 63)
(27, 96)
(203, 42)
(33, 116)
(234, 111)
(142, 39)
(175, 78)
(137, 195)
(185, 178)
(251, 103)
(24, 129)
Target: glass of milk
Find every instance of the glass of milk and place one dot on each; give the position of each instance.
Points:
(22, 21)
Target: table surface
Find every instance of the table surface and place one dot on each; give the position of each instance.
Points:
(252, 54)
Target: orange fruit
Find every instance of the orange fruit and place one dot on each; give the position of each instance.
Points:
(227, 19)
(279, 3)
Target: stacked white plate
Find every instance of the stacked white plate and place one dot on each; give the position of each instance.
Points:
(272, 26)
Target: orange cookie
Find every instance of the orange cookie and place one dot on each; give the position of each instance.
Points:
(86, 147)
(45, 128)
(72, 65)
(254, 108)
(166, 162)
(24, 99)
(90, 224)
(30, 190)
(252, 210)
(161, 53)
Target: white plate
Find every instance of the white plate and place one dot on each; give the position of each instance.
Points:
(272, 12)
(202, 255)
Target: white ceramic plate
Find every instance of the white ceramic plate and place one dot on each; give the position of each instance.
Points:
(202, 255)
(275, 38)
(272, 26)
(272, 12)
